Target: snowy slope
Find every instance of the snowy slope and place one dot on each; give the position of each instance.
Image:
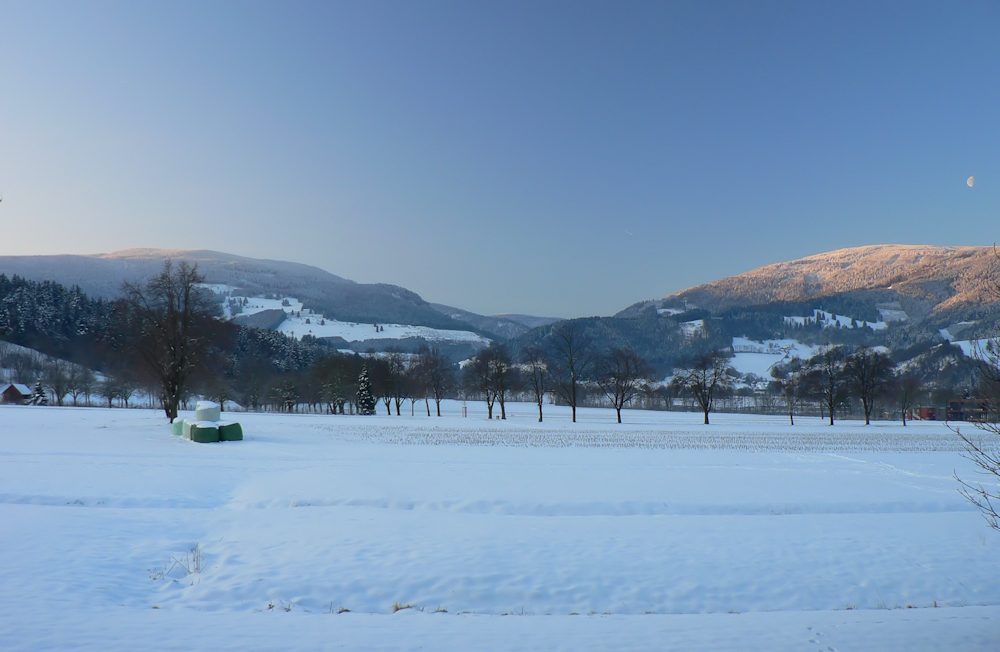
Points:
(102, 275)
(758, 358)
(831, 320)
(301, 321)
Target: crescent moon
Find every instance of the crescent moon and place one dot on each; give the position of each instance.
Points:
(970, 181)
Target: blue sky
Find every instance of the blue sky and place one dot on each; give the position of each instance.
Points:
(556, 158)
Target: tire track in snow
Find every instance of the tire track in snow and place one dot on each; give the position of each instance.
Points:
(628, 508)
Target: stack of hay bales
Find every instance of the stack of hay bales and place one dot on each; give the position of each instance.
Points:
(206, 426)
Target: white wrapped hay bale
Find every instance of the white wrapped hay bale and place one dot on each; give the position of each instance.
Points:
(186, 428)
(207, 411)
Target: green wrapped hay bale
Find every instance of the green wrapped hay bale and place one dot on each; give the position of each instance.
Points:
(207, 411)
(178, 427)
(230, 431)
(205, 432)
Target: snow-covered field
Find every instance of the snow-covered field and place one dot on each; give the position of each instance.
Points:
(663, 534)
(300, 322)
(758, 358)
(831, 320)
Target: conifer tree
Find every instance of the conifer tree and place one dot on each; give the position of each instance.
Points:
(365, 400)
(38, 396)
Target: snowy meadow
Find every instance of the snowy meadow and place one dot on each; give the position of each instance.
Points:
(460, 533)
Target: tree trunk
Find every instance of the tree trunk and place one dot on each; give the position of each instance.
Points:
(539, 412)
(619, 411)
(706, 416)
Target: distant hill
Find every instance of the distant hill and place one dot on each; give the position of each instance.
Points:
(924, 280)
(906, 298)
(101, 275)
(505, 326)
(898, 296)
(528, 320)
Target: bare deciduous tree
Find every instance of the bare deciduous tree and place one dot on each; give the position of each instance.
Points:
(438, 374)
(381, 378)
(56, 378)
(108, 390)
(479, 378)
(908, 390)
(792, 383)
(397, 376)
(827, 377)
(704, 376)
(171, 320)
(416, 384)
(571, 357)
(536, 375)
(128, 384)
(869, 373)
(505, 376)
(983, 449)
(81, 382)
(621, 374)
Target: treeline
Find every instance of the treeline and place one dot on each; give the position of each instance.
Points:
(89, 347)
(57, 321)
(837, 380)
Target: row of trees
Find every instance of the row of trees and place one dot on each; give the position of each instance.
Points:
(64, 381)
(839, 374)
(569, 368)
(832, 378)
(565, 366)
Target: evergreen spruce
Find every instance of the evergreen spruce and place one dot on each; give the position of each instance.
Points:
(365, 400)
(38, 396)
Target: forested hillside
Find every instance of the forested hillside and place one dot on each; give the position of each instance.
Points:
(102, 276)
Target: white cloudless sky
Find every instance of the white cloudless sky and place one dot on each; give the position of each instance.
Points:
(557, 158)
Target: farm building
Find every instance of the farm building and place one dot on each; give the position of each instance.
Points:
(14, 393)
(968, 409)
